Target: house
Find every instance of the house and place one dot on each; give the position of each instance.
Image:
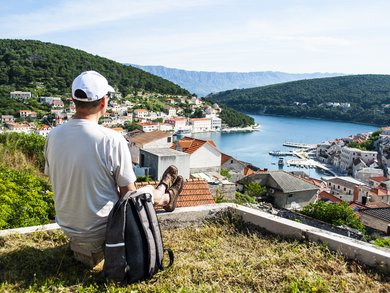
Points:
(348, 155)
(204, 154)
(237, 168)
(377, 218)
(285, 190)
(140, 114)
(43, 130)
(216, 123)
(148, 140)
(27, 113)
(365, 174)
(379, 194)
(57, 103)
(7, 118)
(149, 126)
(200, 124)
(195, 193)
(18, 127)
(178, 123)
(375, 181)
(171, 111)
(157, 160)
(20, 95)
(347, 188)
(326, 196)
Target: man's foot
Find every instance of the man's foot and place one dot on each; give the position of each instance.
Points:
(168, 178)
(174, 193)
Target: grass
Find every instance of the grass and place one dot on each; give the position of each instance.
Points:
(217, 257)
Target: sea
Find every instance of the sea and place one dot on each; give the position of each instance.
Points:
(254, 147)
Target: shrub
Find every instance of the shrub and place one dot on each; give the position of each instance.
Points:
(382, 242)
(25, 200)
(255, 189)
(244, 198)
(225, 173)
(335, 214)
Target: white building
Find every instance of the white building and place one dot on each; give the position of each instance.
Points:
(148, 140)
(216, 123)
(349, 154)
(20, 95)
(200, 124)
(178, 123)
(43, 130)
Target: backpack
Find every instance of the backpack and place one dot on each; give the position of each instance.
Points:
(134, 248)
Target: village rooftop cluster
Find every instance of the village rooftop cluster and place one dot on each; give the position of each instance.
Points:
(363, 184)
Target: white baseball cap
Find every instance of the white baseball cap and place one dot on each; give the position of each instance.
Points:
(93, 84)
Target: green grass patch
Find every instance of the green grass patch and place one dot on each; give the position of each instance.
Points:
(216, 257)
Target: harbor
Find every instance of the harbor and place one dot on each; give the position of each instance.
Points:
(302, 160)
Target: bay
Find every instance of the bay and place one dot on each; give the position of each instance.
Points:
(254, 147)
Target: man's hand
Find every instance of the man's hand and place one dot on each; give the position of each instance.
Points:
(124, 189)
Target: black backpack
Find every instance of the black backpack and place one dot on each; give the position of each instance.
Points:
(134, 249)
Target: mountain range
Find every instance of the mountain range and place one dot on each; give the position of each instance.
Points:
(203, 83)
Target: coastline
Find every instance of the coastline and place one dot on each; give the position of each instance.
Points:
(254, 127)
(314, 118)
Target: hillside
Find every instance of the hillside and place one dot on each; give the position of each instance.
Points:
(48, 69)
(203, 83)
(354, 98)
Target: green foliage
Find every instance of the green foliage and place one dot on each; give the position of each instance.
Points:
(25, 200)
(225, 173)
(130, 126)
(232, 118)
(254, 189)
(307, 98)
(369, 144)
(144, 179)
(382, 242)
(31, 145)
(242, 198)
(49, 69)
(335, 214)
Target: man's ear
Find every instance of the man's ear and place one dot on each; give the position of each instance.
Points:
(102, 103)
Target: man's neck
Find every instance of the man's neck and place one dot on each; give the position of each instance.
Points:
(91, 117)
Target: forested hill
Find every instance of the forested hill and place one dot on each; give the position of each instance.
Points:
(203, 83)
(353, 98)
(50, 69)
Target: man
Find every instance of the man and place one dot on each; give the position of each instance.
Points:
(90, 168)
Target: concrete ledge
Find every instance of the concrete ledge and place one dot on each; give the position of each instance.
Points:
(31, 229)
(353, 249)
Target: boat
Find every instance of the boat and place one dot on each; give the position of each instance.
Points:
(281, 162)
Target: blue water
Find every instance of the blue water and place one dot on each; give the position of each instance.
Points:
(253, 147)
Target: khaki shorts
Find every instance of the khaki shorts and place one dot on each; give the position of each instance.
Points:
(89, 253)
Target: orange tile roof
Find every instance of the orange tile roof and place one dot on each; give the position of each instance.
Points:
(379, 178)
(378, 191)
(224, 158)
(329, 196)
(195, 193)
(190, 145)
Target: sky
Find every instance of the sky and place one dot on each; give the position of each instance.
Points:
(296, 36)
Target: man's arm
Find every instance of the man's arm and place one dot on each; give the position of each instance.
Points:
(124, 189)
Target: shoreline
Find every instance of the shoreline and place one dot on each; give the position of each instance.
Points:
(315, 118)
(254, 127)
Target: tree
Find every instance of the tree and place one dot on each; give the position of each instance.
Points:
(335, 214)
(255, 189)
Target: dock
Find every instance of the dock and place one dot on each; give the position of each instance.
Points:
(299, 145)
(309, 163)
(281, 153)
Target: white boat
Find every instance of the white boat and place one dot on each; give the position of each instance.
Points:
(281, 162)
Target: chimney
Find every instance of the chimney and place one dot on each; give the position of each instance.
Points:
(356, 191)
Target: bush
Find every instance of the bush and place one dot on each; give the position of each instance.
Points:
(242, 198)
(25, 200)
(225, 173)
(382, 242)
(335, 214)
(255, 189)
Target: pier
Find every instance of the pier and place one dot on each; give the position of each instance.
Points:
(281, 153)
(309, 163)
(300, 145)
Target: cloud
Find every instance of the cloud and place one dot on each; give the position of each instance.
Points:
(72, 15)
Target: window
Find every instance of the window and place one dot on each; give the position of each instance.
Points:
(231, 161)
(345, 189)
(338, 186)
(290, 195)
(169, 139)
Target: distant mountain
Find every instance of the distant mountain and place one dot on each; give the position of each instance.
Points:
(203, 83)
(353, 98)
(50, 69)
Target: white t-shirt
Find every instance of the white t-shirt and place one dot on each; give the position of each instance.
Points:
(86, 163)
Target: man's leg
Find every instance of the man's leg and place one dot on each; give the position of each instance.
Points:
(89, 253)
